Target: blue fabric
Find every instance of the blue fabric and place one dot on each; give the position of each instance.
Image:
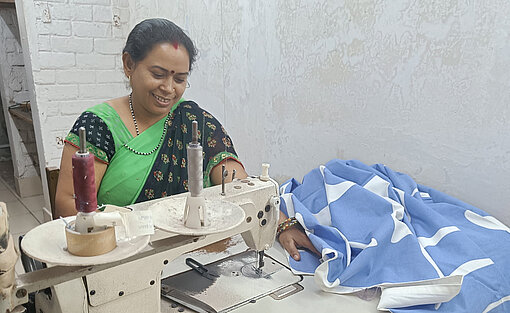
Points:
(376, 226)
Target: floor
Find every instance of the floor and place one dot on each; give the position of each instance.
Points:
(24, 213)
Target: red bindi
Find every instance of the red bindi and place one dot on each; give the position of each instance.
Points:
(175, 44)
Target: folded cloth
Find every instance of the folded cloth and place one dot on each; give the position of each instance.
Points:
(378, 228)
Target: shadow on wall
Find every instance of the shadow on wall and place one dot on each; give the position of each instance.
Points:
(5, 151)
(22, 118)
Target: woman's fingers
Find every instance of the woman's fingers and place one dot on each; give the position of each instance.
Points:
(304, 241)
(287, 240)
(292, 239)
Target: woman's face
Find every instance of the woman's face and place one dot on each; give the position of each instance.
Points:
(159, 80)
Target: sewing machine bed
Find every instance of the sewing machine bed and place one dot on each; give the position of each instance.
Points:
(215, 259)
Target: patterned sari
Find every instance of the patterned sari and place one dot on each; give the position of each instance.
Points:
(134, 174)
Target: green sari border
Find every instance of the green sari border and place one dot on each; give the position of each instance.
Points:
(217, 159)
(99, 154)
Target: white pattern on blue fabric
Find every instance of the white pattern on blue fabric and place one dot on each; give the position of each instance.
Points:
(376, 227)
(434, 240)
(471, 266)
(488, 222)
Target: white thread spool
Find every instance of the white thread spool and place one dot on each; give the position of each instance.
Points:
(264, 176)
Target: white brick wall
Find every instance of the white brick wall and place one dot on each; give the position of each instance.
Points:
(44, 43)
(95, 61)
(76, 60)
(108, 46)
(102, 14)
(74, 108)
(52, 60)
(56, 27)
(45, 77)
(82, 13)
(87, 29)
(77, 45)
(56, 92)
(77, 76)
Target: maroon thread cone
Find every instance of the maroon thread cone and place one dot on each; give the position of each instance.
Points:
(84, 182)
(84, 179)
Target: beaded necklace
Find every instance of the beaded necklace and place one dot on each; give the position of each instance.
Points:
(137, 132)
(133, 113)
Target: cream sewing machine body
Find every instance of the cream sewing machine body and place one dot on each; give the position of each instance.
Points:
(133, 284)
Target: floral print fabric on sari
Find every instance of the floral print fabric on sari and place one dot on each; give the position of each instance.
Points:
(169, 175)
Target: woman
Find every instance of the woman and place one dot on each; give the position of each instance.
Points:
(139, 140)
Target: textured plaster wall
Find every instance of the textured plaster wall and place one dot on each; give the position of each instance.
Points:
(421, 86)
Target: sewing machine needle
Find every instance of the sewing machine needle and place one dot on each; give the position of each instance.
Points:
(260, 260)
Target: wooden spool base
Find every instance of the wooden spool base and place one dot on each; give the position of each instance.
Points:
(91, 244)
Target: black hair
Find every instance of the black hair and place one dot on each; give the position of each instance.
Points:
(149, 32)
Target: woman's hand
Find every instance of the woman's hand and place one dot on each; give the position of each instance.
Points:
(292, 239)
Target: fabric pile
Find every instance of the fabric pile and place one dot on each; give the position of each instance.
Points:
(377, 228)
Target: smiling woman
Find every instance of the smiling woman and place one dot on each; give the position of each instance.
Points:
(139, 140)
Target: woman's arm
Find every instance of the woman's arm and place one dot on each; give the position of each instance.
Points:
(64, 198)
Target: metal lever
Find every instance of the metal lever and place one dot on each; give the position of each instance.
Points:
(224, 174)
(198, 267)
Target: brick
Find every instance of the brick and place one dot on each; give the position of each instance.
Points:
(76, 107)
(102, 14)
(56, 92)
(82, 13)
(95, 61)
(108, 46)
(53, 60)
(59, 28)
(76, 76)
(102, 91)
(44, 77)
(100, 2)
(64, 123)
(111, 76)
(60, 11)
(66, 44)
(52, 108)
(85, 29)
(44, 43)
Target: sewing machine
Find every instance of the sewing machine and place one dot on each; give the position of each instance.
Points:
(134, 284)
(129, 278)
